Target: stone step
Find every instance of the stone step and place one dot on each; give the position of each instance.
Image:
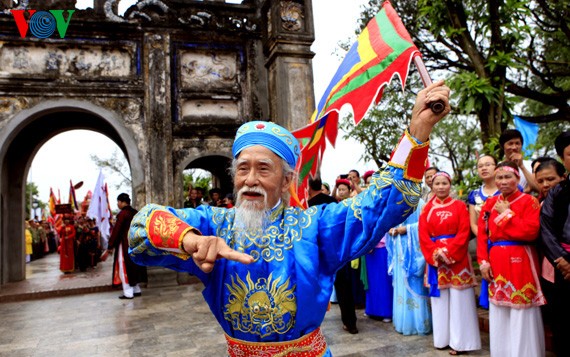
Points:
(157, 278)
(161, 277)
(46, 294)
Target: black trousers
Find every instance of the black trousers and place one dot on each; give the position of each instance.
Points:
(83, 258)
(343, 286)
(560, 307)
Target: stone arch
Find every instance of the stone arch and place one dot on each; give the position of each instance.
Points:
(217, 163)
(21, 138)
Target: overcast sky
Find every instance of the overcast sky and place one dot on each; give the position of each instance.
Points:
(335, 20)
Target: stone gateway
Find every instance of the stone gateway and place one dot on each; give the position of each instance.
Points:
(169, 81)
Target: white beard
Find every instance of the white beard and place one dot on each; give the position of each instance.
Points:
(251, 216)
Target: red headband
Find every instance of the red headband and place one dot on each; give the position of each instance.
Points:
(508, 168)
(443, 174)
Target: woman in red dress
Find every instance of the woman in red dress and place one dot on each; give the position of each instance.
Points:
(67, 247)
(508, 229)
(444, 239)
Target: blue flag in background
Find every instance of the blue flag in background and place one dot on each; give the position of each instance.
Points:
(529, 133)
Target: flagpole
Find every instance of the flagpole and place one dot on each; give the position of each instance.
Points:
(437, 106)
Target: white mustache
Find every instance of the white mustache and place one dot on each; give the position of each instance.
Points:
(249, 215)
(254, 189)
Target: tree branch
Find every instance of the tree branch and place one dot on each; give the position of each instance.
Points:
(459, 22)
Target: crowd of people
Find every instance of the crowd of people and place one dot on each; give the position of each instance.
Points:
(262, 259)
(421, 275)
(41, 239)
(197, 196)
(77, 241)
(80, 246)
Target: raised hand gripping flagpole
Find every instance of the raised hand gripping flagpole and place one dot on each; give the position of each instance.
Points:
(437, 106)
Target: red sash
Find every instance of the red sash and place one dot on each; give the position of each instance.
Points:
(310, 345)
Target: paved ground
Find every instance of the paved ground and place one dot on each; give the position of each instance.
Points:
(166, 321)
(44, 279)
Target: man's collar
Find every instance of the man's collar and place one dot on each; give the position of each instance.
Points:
(276, 206)
(276, 210)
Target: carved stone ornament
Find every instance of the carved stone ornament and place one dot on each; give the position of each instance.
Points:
(149, 10)
(207, 20)
(208, 71)
(157, 11)
(292, 16)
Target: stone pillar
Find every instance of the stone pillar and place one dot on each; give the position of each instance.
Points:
(12, 209)
(287, 47)
(99, 7)
(158, 118)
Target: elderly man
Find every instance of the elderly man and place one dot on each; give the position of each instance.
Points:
(511, 142)
(268, 269)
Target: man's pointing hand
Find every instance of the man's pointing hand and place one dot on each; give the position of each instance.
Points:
(205, 250)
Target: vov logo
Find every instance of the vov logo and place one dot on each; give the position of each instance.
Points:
(42, 24)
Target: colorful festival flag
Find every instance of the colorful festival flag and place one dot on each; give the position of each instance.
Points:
(72, 200)
(382, 51)
(52, 202)
(58, 225)
(100, 209)
(58, 217)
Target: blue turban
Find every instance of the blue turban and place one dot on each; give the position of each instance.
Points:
(269, 135)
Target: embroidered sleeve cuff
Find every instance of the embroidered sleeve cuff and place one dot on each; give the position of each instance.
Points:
(435, 257)
(444, 255)
(165, 232)
(504, 217)
(181, 238)
(410, 156)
